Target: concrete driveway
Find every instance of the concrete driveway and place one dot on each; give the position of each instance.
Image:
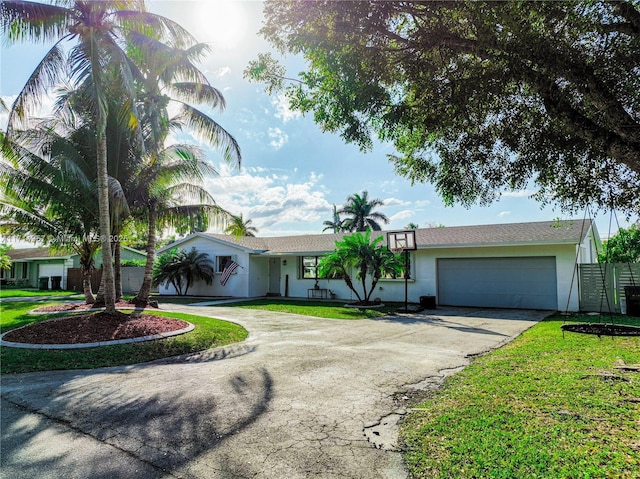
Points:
(302, 397)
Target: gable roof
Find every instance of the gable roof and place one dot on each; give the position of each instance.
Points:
(35, 253)
(509, 234)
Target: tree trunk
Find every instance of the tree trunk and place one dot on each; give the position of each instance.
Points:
(117, 270)
(103, 208)
(142, 298)
(86, 285)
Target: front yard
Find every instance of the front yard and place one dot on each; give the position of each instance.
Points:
(542, 406)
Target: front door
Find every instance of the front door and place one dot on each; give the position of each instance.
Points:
(274, 277)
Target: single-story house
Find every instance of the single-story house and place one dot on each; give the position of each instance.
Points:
(29, 264)
(518, 265)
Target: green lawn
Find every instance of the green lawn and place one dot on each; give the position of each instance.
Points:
(320, 309)
(7, 292)
(208, 333)
(542, 406)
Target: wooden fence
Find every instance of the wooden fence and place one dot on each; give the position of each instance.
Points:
(131, 279)
(602, 286)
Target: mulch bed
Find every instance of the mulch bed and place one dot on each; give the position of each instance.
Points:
(55, 308)
(93, 328)
(600, 329)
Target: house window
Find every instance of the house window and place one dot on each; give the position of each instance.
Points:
(401, 274)
(12, 274)
(221, 262)
(309, 266)
(25, 271)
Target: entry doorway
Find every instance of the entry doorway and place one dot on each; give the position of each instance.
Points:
(274, 277)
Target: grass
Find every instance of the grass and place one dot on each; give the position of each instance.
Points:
(542, 406)
(208, 333)
(8, 292)
(319, 309)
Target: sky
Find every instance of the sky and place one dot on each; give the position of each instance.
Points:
(292, 173)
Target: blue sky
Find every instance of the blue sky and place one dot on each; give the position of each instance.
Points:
(292, 173)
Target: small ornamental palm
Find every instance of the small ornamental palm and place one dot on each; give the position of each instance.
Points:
(358, 252)
(182, 268)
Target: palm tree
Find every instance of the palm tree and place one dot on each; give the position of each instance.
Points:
(412, 226)
(239, 227)
(360, 209)
(182, 269)
(336, 224)
(163, 199)
(171, 175)
(101, 30)
(49, 191)
(358, 252)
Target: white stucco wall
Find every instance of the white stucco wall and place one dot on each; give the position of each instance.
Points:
(424, 281)
(238, 284)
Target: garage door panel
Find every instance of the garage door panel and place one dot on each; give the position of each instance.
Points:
(528, 282)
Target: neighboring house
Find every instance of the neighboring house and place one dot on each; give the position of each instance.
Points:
(519, 265)
(29, 264)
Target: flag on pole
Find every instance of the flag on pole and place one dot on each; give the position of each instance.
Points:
(229, 268)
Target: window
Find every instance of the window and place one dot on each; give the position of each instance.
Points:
(25, 270)
(309, 267)
(12, 274)
(221, 262)
(401, 274)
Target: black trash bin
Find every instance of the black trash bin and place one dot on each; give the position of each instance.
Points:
(428, 302)
(43, 282)
(56, 282)
(632, 295)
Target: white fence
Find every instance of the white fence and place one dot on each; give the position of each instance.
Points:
(602, 286)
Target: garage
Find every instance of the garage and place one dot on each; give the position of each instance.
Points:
(50, 270)
(524, 282)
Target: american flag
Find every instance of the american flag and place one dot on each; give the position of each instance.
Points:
(229, 268)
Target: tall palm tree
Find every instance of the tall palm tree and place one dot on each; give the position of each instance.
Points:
(239, 227)
(162, 198)
(170, 76)
(362, 217)
(100, 30)
(48, 178)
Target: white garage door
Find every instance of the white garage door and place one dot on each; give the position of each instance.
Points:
(50, 270)
(526, 283)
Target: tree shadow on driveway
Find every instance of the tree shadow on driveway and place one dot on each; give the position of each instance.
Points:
(165, 429)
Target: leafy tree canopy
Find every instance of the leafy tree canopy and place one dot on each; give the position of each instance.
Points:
(623, 247)
(477, 97)
(5, 259)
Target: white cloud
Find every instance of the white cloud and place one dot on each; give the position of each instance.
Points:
(222, 71)
(395, 202)
(281, 104)
(526, 193)
(271, 199)
(402, 215)
(278, 137)
(504, 214)
(421, 203)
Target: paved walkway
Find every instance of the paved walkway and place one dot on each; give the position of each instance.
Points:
(302, 397)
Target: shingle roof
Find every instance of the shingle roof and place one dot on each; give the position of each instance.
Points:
(546, 232)
(33, 253)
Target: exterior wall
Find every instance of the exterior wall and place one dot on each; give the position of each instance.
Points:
(50, 266)
(567, 283)
(424, 273)
(238, 284)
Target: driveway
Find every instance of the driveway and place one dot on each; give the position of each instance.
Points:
(301, 397)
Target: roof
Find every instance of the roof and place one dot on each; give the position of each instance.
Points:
(508, 234)
(35, 253)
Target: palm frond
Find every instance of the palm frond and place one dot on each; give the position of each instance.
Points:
(199, 93)
(46, 74)
(28, 21)
(212, 132)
